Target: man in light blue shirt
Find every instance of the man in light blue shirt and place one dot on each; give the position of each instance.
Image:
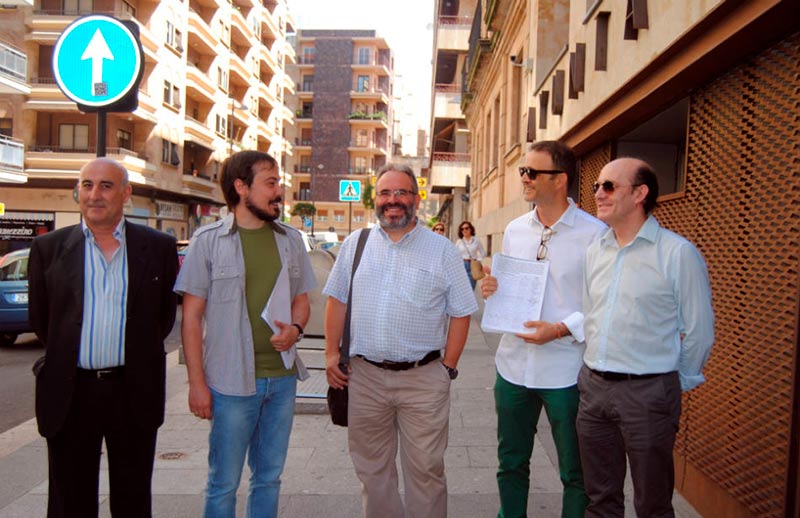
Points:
(410, 299)
(649, 328)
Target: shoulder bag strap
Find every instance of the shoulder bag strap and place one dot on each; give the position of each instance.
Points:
(344, 347)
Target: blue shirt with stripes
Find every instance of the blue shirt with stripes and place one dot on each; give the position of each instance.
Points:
(105, 296)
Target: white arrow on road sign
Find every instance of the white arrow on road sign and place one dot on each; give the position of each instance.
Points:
(97, 50)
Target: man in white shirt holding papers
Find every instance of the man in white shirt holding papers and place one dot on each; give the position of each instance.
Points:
(540, 368)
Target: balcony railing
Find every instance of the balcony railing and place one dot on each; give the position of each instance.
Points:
(89, 149)
(445, 21)
(447, 88)
(368, 116)
(305, 60)
(365, 89)
(12, 153)
(451, 157)
(302, 168)
(302, 142)
(361, 170)
(13, 62)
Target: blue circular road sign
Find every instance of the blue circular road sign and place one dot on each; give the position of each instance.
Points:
(97, 60)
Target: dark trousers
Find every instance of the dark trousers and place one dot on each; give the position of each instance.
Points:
(637, 418)
(518, 410)
(98, 412)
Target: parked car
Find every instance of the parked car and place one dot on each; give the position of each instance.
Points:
(13, 296)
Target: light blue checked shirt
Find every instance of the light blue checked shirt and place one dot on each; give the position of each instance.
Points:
(647, 306)
(404, 293)
(105, 297)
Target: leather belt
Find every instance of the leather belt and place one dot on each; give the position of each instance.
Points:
(403, 366)
(110, 373)
(622, 376)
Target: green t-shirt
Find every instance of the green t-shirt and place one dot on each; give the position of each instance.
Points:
(262, 264)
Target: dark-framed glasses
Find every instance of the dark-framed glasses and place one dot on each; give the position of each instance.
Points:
(398, 193)
(541, 253)
(608, 186)
(533, 173)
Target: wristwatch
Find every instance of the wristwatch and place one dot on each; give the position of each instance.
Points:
(299, 328)
(451, 371)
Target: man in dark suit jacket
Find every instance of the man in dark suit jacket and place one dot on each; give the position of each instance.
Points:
(101, 302)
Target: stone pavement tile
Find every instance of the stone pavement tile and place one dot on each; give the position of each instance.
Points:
(472, 416)
(471, 480)
(194, 458)
(483, 436)
(483, 456)
(456, 457)
(179, 481)
(309, 506)
(176, 506)
(17, 437)
(339, 480)
(21, 470)
(28, 506)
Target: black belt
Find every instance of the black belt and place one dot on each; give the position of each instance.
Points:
(622, 376)
(111, 373)
(403, 366)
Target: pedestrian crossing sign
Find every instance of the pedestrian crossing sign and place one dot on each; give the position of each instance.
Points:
(349, 190)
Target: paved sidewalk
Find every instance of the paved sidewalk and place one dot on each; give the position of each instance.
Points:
(318, 479)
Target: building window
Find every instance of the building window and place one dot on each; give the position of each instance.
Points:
(7, 127)
(308, 110)
(363, 84)
(359, 165)
(222, 78)
(169, 153)
(661, 141)
(73, 136)
(308, 83)
(338, 216)
(322, 215)
(358, 216)
(77, 7)
(124, 140)
(635, 18)
(516, 90)
(221, 124)
(128, 9)
(174, 37)
(362, 138)
(495, 131)
(172, 95)
(309, 54)
(601, 41)
(363, 56)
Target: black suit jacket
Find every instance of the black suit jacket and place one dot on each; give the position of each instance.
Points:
(55, 284)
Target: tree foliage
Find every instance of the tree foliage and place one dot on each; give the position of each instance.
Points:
(303, 209)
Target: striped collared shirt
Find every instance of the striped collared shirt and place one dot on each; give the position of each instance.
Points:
(105, 296)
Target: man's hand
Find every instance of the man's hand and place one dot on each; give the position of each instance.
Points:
(200, 400)
(336, 378)
(544, 332)
(488, 283)
(286, 338)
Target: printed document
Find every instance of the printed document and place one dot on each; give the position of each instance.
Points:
(279, 307)
(519, 296)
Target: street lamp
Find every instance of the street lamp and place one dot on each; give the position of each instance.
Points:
(320, 167)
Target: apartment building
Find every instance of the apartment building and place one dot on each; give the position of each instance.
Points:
(450, 142)
(706, 91)
(214, 82)
(343, 128)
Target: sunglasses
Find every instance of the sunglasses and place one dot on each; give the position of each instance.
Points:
(532, 173)
(608, 186)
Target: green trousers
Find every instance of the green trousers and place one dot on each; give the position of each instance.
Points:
(518, 410)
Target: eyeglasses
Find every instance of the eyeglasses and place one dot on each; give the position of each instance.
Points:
(608, 186)
(398, 193)
(438, 229)
(466, 228)
(541, 253)
(532, 173)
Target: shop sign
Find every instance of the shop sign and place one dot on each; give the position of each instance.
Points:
(170, 210)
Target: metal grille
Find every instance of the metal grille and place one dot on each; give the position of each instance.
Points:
(591, 164)
(742, 210)
(741, 207)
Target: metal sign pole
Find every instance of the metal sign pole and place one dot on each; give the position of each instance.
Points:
(349, 217)
(101, 133)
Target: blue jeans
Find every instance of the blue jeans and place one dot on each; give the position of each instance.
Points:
(469, 274)
(258, 426)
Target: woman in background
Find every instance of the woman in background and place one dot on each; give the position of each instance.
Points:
(438, 228)
(469, 246)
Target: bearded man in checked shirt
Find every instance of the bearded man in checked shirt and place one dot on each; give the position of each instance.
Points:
(410, 299)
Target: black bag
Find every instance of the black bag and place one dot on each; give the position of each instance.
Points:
(337, 398)
(337, 404)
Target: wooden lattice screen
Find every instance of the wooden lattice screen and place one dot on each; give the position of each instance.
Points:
(741, 207)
